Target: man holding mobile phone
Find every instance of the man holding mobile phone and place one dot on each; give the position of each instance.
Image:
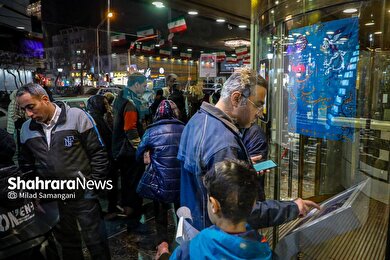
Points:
(255, 142)
(212, 135)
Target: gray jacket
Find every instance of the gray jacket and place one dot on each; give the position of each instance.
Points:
(75, 147)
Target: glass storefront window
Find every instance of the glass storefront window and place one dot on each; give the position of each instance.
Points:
(327, 65)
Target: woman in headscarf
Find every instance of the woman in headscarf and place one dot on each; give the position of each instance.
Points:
(159, 147)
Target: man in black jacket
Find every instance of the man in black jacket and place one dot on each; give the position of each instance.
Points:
(97, 108)
(177, 96)
(58, 143)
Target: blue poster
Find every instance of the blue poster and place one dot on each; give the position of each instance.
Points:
(322, 78)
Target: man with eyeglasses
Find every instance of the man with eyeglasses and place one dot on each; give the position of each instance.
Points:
(212, 135)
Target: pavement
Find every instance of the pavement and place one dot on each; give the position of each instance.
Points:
(137, 244)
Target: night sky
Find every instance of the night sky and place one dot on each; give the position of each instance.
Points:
(61, 14)
(131, 15)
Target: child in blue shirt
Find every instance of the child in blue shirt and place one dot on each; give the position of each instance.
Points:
(232, 191)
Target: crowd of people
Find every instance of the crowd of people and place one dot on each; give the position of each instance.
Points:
(202, 160)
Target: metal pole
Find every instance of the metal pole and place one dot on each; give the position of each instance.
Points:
(129, 58)
(317, 174)
(108, 37)
(97, 54)
(254, 27)
(301, 165)
(290, 168)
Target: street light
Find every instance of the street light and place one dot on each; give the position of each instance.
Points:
(109, 15)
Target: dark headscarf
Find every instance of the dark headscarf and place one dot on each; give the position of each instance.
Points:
(96, 104)
(166, 110)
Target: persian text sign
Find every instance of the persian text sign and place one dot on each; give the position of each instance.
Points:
(322, 78)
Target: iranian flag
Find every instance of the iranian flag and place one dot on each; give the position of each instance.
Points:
(177, 25)
(243, 56)
(247, 60)
(144, 32)
(221, 55)
(231, 59)
(132, 45)
(241, 50)
(118, 39)
(138, 48)
(148, 48)
(165, 52)
(185, 55)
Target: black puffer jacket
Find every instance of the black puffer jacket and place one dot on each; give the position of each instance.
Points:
(75, 146)
(97, 108)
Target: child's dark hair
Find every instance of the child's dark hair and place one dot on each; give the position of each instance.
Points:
(233, 183)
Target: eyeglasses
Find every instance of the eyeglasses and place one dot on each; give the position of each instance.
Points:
(259, 108)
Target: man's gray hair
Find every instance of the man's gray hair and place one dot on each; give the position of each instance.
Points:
(33, 89)
(245, 81)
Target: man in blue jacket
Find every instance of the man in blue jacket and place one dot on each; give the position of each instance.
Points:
(212, 135)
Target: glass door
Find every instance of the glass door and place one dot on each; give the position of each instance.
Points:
(327, 65)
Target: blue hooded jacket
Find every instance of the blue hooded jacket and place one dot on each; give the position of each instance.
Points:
(162, 139)
(213, 243)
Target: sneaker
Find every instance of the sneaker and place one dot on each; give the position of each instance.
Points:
(162, 248)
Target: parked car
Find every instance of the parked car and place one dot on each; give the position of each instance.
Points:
(25, 222)
(80, 101)
(3, 117)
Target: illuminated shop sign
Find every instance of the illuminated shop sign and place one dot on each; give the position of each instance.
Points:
(78, 74)
(119, 74)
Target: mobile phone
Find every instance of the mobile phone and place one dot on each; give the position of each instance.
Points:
(269, 164)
